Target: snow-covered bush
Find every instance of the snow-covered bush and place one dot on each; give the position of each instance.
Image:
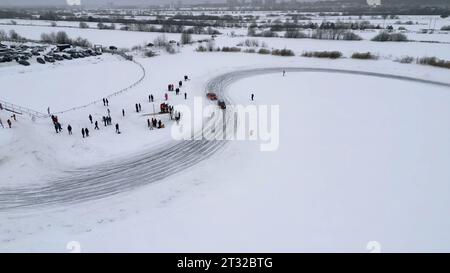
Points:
(350, 36)
(250, 50)
(13, 35)
(62, 38)
(83, 25)
(81, 42)
(335, 34)
(446, 28)
(3, 35)
(364, 56)
(433, 61)
(322, 54)
(230, 49)
(390, 37)
(283, 52)
(170, 49)
(263, 51)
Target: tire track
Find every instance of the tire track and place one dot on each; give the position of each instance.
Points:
(117, 176)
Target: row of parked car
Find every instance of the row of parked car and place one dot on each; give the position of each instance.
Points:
(66, 55)
(23, 54)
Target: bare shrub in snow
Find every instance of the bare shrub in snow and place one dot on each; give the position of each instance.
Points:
(48, 37)
(230, 49)
(390, 37)
(81, 42)
(83, 25)
(322, 54)
(62, 38)
(13, 35)
(405, 59)
(433, 61)
(250, 50)
(264, 51)
(283, 52)
(170, 49)
(160, 41)
(3, 35)
(335, 34)
(364, 56)
(350, 36)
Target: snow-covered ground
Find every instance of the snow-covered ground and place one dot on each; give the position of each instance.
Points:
(360, 158)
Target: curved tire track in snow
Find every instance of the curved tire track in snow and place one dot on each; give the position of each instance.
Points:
(117, 176)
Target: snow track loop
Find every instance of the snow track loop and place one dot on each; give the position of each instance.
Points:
(114, 177)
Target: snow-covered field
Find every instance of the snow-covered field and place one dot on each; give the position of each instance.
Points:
(360, 158)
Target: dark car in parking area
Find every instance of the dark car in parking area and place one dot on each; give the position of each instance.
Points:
(58, 57)
(49, 59)
(23, 62)
(40, 60)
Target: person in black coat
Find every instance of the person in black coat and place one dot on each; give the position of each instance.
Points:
(83, 132)
(69, 129)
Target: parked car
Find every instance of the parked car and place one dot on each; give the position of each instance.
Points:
(23, 62)
(58, 57)
(49, 59)
(40, 60)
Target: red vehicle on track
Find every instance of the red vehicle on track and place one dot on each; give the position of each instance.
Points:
(211, 96)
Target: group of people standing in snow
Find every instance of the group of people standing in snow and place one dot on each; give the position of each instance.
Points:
(107, 120)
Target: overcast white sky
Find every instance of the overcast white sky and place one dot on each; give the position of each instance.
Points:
(97, 2)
